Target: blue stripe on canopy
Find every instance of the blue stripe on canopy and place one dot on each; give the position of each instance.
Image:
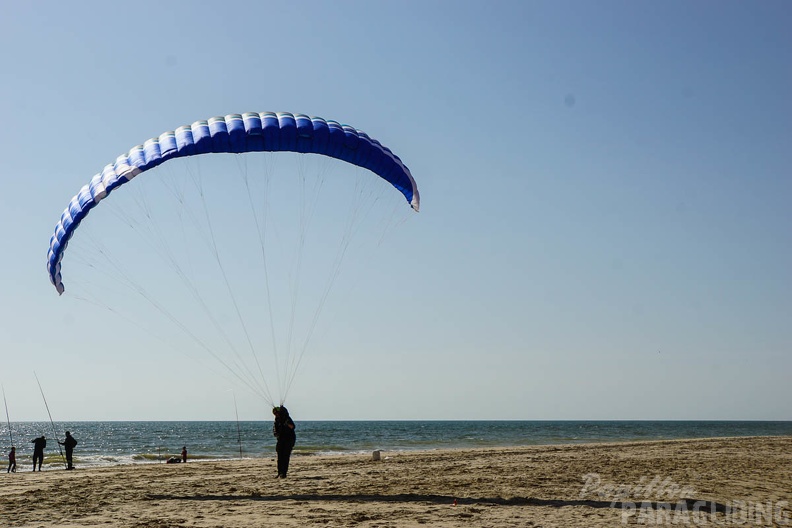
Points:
(234, 133)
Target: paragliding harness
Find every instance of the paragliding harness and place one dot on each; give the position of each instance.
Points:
(281, 430)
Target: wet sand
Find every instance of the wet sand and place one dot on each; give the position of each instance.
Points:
(711, 482)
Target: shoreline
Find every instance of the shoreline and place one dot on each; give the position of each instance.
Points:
(556, 485)
(268, 452)
(113, 443)
(146, 459)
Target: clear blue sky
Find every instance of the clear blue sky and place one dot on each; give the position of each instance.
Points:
(605, 225)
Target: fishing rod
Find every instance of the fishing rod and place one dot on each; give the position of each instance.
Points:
(239, 434)
(8, 418)
(54, 432)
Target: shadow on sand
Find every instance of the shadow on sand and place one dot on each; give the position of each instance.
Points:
(689, 504)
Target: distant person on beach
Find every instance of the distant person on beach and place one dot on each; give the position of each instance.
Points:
(173, 460)
(69, 443)
(283, 429)
(38, 450)
(12, 460)
(184, 454)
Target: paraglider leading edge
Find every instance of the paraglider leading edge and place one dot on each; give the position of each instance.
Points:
(233, 133)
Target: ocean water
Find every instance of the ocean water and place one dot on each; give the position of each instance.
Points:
(112, 443)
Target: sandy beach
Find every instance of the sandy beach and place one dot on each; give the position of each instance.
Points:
(710, 482)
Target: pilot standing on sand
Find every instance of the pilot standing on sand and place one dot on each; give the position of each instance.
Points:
(283, 429)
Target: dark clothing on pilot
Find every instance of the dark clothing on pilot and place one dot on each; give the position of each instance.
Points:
(38, 451)
(69, 443)
(283, 430)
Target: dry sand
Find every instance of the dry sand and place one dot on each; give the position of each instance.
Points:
(713, 482)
